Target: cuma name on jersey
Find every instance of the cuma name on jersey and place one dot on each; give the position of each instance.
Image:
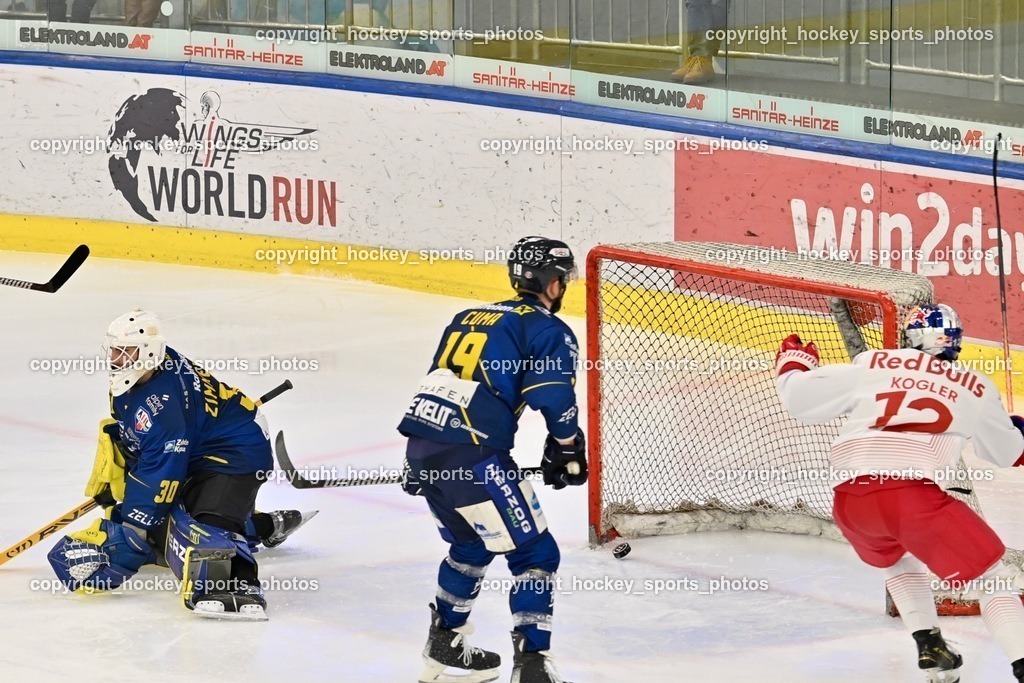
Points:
(430, 412)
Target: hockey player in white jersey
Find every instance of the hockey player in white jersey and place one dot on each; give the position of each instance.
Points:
(911, 412)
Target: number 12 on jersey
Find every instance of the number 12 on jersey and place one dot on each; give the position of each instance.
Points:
(893, 403)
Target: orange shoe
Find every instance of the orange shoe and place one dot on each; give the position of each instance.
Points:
(680, 73)
(702, 71)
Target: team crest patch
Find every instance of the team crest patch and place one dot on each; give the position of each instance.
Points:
(142, 422)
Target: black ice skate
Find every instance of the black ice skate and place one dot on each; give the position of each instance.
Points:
(286, 522)
(1018, 670)
(210, 592)
(938, 660)
(532, 667)
(243, 605)
(448, 648)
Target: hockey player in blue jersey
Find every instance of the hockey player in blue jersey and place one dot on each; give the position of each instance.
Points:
(492, 363)
(193, 453)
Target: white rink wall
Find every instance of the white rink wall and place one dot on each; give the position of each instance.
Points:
(405, 172)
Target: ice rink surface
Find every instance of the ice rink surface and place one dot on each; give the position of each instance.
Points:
(811, 612)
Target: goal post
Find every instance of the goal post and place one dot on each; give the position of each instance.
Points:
(685, 428)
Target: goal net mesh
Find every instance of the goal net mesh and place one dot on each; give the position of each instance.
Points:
(690, 421)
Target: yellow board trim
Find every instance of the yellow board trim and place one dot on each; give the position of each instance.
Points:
(237, 251)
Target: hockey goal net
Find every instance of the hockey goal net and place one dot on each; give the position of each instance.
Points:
(686, 429)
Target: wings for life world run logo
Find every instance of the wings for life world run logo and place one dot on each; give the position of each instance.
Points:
(198, 166)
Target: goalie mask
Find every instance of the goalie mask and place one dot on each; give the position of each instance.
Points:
(535, 261)
(934, 329)
(134, 345)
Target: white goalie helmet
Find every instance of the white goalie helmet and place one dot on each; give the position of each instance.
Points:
(134, 345)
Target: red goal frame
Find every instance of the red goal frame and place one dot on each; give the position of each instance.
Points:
(890, 339)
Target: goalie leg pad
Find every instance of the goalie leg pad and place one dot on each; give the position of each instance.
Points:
(216, 567)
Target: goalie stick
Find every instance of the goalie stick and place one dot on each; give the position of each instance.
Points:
(104, 499)
(301, 482)
(54, 526)
(74, 261)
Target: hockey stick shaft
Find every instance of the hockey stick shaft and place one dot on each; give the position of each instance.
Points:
(301, 482)
(88, 505)
(1002, 276)
(48, 530)
(73, 263)
(275, 392)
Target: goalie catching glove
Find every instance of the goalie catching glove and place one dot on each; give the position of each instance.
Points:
(795, 355)
(565, 464)
(99, 558)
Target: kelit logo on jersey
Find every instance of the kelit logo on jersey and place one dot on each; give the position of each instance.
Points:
(432, 413)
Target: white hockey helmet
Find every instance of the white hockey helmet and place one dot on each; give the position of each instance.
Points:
(134, 345)
(934, 329)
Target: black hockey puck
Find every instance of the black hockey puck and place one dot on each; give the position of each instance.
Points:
(621, 550)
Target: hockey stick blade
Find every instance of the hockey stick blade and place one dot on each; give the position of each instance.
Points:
(73, 263)
(301, 482)
(287, 467)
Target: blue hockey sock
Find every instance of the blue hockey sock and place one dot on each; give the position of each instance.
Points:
(532, 596)
(458, 581)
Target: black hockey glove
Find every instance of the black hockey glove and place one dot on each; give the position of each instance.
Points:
(1018, 422)
(565, 465)
(410, 483)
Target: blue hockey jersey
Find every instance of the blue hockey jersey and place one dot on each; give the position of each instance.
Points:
(180, 421)
(494, 361)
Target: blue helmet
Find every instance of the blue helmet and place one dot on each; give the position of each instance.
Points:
(934, 329)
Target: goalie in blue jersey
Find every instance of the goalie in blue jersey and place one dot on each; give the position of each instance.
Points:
(185, 454)
(493, 362)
